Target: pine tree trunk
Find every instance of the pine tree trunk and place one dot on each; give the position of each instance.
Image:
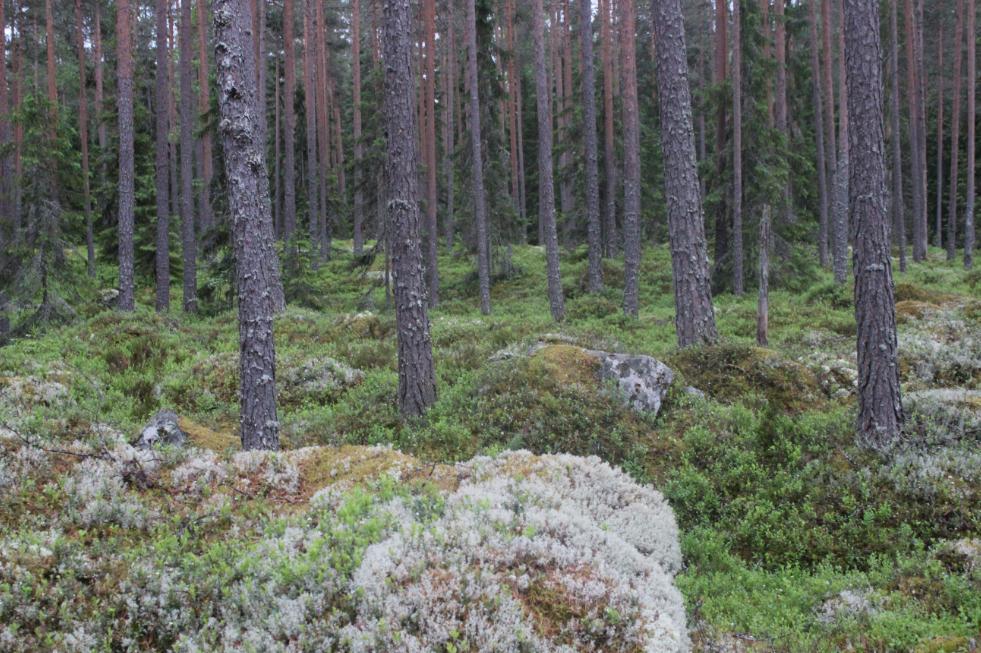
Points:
(277, 148)
(127, 199)
(204, 106)
(839, 221)
(780, 104)
(566, 196)
(593, 235)
(310, 113)
(955, 134)
(417, 380)
(939, 222)
(6, 183)
(323, 131)
(721, 151)
(248, 199)
(546, 183)
(100, 124)
(449, 141)
(83, 135)
(188, 235)
(694, 315)
(898, 202)
(289, 117)
(358, 217)
(880, 408)
(822, 165)
(432, 198)
(971, 120)
(631, 161)
(829, 94)
(477, 162)
(52, 71)
(161, 151)
(918, 173)
(175, 183)
(17, 66)
(763, 299)
(737, 150)
(609, 148)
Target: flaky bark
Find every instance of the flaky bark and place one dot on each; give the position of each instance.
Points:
(417, 380)
(593, 235)
(127, 199)
(248, 199)
(477, 162)
(188, 236)
(880, 416)
(161, 152)
(971, 120)
(898, 204)
(546, 183)
(83, 136)
(737, 150)
(955, 133)
(822, 165)
(694, 315)
(631, 161)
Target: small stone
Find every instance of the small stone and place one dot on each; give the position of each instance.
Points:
(164, 428)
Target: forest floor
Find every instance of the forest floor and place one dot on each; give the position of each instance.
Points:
(793, 537)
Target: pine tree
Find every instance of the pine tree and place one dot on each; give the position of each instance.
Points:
(161, 151)
(631, 162)
(188, 235)
(83, 136)
(127, 192)
(955, 127)
(477, 162)
(971, 120)
(588, 82)
(737, 150)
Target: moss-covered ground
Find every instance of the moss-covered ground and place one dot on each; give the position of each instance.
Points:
(795, 538)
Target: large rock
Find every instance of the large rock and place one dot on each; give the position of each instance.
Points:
(164, 428)
(643, 381)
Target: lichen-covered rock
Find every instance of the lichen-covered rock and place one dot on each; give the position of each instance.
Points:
(109, 297)
(642, 381)
(847, 604)
(163, 428)
(316, 379)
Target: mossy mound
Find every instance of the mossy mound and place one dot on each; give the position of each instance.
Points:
(908, 292)
(729, 372)
(567, 364)
(352, 466)
(911, 310)
(203, 437)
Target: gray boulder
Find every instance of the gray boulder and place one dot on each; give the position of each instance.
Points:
(163, 428)
(643, 381)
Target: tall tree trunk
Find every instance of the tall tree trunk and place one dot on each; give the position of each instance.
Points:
(737, 149)
(204, 106)
(417, 379)
(763, 298)
(477, 161)
(938, 227)
(289, 92)
(566, 196)
(277, 197)
(52, 71)
(819, 133)
(83, 135)
(175, 183)
(839, 242)
(161, 151)
(829, 93)
(358, 217)
(694, 315)
(17, 67)
(971, 120)
(898, 202)
(6, 183)
(188, 236)
(102, 134)
(310, 113)
(593, 235)
(546, 184)
(124, 100)
(631, 161)
(432, 198)
(880, 409)
(248, 198)
(955, 134)
(609, 147)
(451, 118)
(780, 103)
(323, 129)
(918, 173)
(721, 151)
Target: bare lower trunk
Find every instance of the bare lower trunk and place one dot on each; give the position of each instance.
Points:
(955, 133)
(763, 299)
(898, 203)
(248, 199)
(839, 216)
(593, 235)
(451, 117)
(188, 237)
(127, 199)
(631, 162)
(204, 106)
(432, 234)
(971, 120)
(356, 108)
(310, 112)
(737, 150)
(609, 150)
(289, 116)
(546, 184)
(939, 222)
(694, 315)
(477, 162)
(83, 136)
(822, 166)
(161, 151)
(917, 172)
(880, 416)
(417, 380)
